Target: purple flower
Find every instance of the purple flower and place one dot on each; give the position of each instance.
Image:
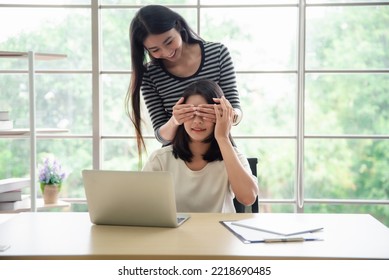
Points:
(51, 172)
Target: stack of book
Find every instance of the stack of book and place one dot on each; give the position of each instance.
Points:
(5, 122)
(11, 197)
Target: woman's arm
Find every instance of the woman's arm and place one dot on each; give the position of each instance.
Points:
(165, 127)
(181, 113)
(228, 83)
(242, 182)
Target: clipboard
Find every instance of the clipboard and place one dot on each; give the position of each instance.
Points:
(249, 234)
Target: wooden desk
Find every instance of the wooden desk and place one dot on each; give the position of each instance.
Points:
(72, 236)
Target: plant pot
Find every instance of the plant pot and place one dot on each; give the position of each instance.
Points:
(50, 194)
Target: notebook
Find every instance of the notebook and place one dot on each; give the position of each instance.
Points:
(131, 198)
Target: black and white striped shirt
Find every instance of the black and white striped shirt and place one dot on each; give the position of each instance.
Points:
(161, 89)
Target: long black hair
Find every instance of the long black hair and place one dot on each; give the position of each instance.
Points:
(208, 90)
(149, 20)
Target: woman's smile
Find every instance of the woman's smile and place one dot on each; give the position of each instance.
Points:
(198, 129)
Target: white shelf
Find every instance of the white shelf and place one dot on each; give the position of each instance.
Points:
(40, 205)
(32, 131)
(26, 131)
(37, 56)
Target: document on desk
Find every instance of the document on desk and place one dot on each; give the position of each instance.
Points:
(257, 231)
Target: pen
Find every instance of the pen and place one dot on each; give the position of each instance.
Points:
(294, 239)
(281, 240)
(273, 232)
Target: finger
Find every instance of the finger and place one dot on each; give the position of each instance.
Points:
(179, 110)
(189, 114)
(226, 101)
(212, 120)
(202, 111)
(180, 101)
(186, 118)
(204, 107)
(216, 100)
(227, 107)
(183, 115)
(208, 117)
(217, 112)
(179, 104)
(190, 109)
(184, 107)
(223, 104)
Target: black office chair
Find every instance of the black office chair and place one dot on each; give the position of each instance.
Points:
(239, 207)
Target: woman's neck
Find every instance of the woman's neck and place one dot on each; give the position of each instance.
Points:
(198, 149)
(189, 62)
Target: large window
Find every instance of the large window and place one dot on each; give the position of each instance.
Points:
(313, 80)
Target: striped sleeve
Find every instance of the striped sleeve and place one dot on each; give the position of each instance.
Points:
(227, 80)
(153, 101)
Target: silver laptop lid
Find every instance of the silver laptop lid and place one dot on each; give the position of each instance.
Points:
(131, 198)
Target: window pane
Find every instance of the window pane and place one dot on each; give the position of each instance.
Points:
(346, 169)
(350, 37)
(276, 208)
(247, 34)
(276, 164)
(347, 104)
(115, 38)
(62, 101)
(269, 104)
(120, 154)
(115, 120)
(380, 212)
(59, 30)
(14, 158)
(14, 98)
(123, 154)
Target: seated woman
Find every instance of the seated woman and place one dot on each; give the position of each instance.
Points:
(208, 169)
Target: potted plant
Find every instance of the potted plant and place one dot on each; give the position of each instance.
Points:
(51, 176)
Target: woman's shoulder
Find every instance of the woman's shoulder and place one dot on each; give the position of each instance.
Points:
(213, 45)
(212, 48)
(159, 160)
(153, 66)
(166, 151)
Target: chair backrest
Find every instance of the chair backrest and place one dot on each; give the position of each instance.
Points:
(239, 207)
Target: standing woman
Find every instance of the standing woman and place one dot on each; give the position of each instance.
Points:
(178, 57)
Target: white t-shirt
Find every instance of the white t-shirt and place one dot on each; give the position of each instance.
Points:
(206, 190)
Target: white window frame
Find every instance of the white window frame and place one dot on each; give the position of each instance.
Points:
(97, 71)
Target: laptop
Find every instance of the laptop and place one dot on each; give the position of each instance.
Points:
(131, 198)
